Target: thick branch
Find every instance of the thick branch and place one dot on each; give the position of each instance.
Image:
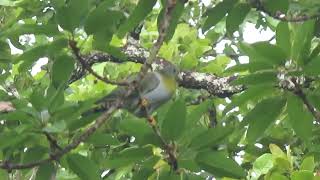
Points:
(215, 85)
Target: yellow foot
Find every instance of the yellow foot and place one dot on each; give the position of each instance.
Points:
(144, 102)
(152, 121)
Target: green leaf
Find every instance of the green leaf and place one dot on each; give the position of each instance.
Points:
(128, 156)
(217, 66)
(312, 68)
(299, 117)
(275, 6)
(70, 16)
(277, 152)
(83, 167)
(143, 8)
(262, 116)
(20, 29)
(175, 120)
(45, 171)
(11, 139)
(253, 93)
(219, 164)
(102, 139)
(302, 36)
(195, 114)
(101, 25)
(236, 17)
(257, 79)
(61, 70)
(140, 130)
(283, 37)
(4, 175)
(34, 154)
(250, 67)
(264, 51)
(308, 164)
(217, 13)
(210, 137)
(278, 176)
(302, 175)
(263, 164)
(31, 56)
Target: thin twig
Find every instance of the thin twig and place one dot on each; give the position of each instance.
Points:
(299, 92)
(76, 52)
(163, 28)
(53, 142)
(56, 155)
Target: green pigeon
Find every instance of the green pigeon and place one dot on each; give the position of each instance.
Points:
(154, 89)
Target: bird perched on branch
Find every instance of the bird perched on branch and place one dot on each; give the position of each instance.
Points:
(154, 89)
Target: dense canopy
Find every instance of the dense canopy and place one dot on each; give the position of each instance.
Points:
(247, 104)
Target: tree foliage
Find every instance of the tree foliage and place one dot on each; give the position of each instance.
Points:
(230, 118)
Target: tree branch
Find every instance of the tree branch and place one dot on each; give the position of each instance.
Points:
(115, 105)
(76, 52)
(215, 85)
(282, 16)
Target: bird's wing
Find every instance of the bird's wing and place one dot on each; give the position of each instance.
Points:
(149, 82)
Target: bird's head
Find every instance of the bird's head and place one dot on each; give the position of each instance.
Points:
(169, 70)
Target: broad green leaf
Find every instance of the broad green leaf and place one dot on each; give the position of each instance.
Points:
(217, 13)
(263, 164)
(78, 123)
(217, 66)
(31, 56)
(302, 175)
(275, 6)
(20, 29)
(312, 68)
(253, 93)
(195, 114)
(219, 164)
(11, 139)
(143, 8)
(4, 174)
(57, 127)
(101, 25)
(299, 117)
(314, 100)
(277, 151)
(72, 14)
(308, 164)
(45, 171)
(175, 120)
(302, 36)
(128, 156)
(236, 17)
(251, 67)
(210, 137)
(283, 37)
(34, 154)
(102, 139)
(83, 167)
(140, 130)
(264, 51)
(262, 116)
(277, 176)
(269, 77)
(61, 70)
